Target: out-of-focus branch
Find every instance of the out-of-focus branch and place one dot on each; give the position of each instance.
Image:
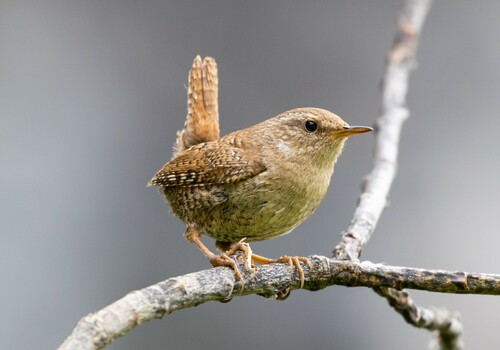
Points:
(447, 326)
(376, 186)
(99, 329)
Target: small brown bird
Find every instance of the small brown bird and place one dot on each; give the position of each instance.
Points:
(257, 183)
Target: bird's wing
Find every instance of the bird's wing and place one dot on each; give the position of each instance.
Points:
(206, 164)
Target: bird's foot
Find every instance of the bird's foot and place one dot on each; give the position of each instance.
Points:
(295, 261)
(193, 234)
(241, 246)
(290, 260)
(224, 259)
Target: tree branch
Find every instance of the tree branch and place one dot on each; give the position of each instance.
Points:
(376, 186)
(447, 326)
(99, 329)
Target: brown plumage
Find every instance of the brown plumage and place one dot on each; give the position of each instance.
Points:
(253, 184)
(256, 183)
(202, 120)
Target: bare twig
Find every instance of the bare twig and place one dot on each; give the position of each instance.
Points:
(447, 326)
(99, 329)
(377, 184)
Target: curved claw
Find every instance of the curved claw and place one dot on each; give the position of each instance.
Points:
(290, 260)
(224, 260)
(295, 261)
(283, 294)
(241, 246)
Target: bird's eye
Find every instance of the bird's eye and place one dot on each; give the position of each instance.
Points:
(311, 126)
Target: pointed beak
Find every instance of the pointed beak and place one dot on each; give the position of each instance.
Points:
(351, 130)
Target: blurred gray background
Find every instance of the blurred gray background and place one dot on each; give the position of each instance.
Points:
(92, 92)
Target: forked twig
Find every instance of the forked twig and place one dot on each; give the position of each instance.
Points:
(377, 184)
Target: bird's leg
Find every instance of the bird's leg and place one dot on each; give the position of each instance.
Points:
(193, 234)
(290, 260)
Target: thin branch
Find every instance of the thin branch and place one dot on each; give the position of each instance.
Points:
(377, 184)
(99, 329)
(447, 326)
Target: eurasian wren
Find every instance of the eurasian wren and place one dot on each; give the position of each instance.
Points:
(257, 183)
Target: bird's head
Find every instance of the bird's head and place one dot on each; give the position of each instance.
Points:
(310, 133)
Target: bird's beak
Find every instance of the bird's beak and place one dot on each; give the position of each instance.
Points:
(351, 130)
